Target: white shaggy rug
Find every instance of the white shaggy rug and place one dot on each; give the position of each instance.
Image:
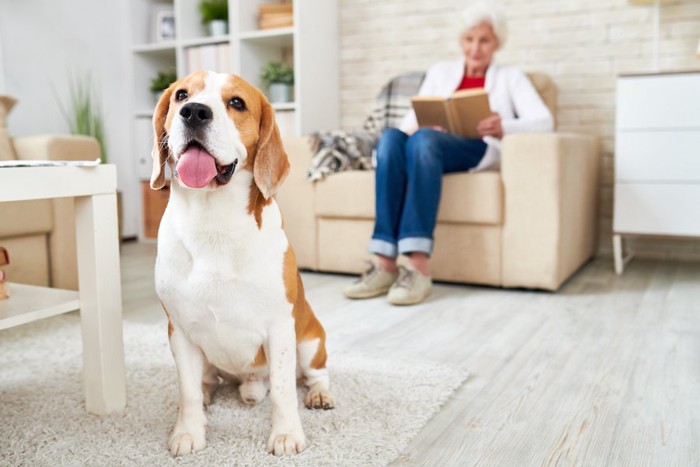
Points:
(380, 406)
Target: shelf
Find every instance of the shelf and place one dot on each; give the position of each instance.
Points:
(29, 303)
(155, 48)
(211, 40)
(284, 106)
(278, 37)
(144, 113)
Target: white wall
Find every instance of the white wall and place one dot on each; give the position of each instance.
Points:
(44, 42)
(582, 44)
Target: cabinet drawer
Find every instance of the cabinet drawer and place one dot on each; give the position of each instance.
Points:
(658, 101)
(662, 209)
(154, 203)
(657, 156)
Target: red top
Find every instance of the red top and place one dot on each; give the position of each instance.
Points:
(470, 82)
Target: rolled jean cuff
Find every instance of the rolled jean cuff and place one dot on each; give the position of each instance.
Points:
(416, 244)
(384, 248)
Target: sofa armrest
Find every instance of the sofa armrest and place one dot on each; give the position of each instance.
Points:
(550, 213)
(62, 247)
(296, 201)
(56, 148)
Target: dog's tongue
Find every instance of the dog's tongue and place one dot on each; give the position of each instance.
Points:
(196, 168)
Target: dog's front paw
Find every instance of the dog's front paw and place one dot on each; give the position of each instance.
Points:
(187, 442)
(286, 444)
(318, 398)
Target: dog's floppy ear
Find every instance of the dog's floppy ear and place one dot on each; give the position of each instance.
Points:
(160, 139)
(271, 163)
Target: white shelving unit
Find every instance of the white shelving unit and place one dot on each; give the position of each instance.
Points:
(311, 45)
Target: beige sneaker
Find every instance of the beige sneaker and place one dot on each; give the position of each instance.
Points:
(410, 288)
(373, 282)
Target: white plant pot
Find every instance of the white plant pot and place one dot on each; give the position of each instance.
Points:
(280, 92)
(218, 27)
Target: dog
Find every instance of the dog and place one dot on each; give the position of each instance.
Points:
(225, 271)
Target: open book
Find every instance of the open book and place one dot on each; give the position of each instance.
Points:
(459, 114)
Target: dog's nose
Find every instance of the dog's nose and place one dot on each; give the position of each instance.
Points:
(196, 115)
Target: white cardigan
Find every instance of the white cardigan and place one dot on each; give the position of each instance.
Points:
(511, 95)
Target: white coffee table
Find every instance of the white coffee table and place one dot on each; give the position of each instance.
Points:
(99, 299)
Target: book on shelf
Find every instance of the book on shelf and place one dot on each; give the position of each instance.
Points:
(275, 15)
(275, 8)
(459, 113)
(276, 21)
(208, 57)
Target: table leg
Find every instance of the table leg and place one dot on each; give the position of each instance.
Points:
(100, 303)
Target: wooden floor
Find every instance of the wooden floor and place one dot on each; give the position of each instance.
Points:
(604, 372)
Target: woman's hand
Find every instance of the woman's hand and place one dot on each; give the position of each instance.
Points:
(491, 126)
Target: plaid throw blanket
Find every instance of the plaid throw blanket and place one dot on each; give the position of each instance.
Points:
(340, 150)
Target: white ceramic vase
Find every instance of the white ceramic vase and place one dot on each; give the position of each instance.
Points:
(280, 92)
(218, 27)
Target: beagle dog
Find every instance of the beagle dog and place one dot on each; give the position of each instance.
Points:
(225, 272)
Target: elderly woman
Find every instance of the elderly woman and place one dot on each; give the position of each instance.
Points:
(412, 160)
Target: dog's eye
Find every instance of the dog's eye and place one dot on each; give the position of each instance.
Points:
(181, 95)
(237, 103)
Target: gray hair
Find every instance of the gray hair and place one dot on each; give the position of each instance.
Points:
(480, 11)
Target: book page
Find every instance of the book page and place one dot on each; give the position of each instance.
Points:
(431, 111)
(470, 107)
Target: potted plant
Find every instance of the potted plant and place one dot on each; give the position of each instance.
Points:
(278, 78)
(215, 16)
(160, 83)
(84, 117)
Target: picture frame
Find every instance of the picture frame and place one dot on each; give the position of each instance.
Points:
(165, 27)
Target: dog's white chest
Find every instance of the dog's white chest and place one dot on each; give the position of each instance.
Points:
(220, 278)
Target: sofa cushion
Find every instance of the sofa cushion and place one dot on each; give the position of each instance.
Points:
(21, 218)
(466, 197)
(29, 259)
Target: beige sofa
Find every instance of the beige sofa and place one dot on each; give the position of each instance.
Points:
(532, 225)
(40, 235)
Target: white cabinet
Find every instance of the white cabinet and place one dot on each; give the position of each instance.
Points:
(310, 45)
(657, 157)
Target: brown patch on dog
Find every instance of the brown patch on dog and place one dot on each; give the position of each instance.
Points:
(260, 358)
(256, 203)
(271, 165)
(247, 122)
(170, 324)
(290, 275)
(306, 325)
(267, 159)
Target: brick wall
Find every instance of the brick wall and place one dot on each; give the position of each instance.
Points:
(581, 44)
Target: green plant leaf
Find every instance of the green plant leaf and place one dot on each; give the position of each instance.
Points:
(162, 80)
(84, 116)
(213, 9)
(276, 72)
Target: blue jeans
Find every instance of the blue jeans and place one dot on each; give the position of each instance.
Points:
(408, 185)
